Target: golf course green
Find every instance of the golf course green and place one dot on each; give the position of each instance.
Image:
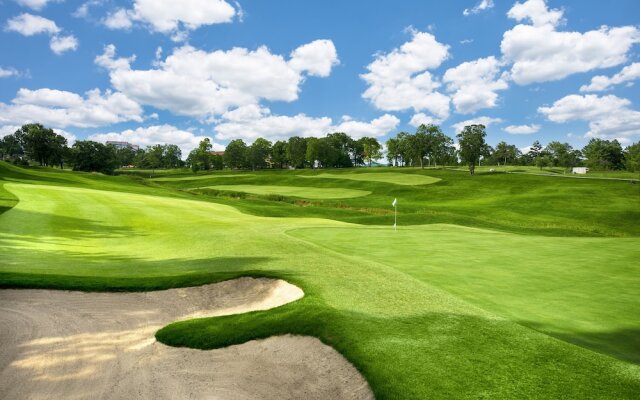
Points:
(494, 286)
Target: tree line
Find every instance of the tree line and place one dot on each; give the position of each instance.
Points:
(335, 150)
(36, 143)
(427, 147)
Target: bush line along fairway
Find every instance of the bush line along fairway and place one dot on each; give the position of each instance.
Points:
(434, 322)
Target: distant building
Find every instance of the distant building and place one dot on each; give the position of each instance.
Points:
(217, 153)
(579, 170)
(123, 145)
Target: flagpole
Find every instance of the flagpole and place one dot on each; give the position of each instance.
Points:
(395, 214)
(395, 217)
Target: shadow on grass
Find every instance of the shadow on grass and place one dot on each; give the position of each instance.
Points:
(623, 344)
(7, 199)
(63, 227)
(120, 274)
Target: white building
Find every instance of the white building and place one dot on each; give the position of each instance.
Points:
(123, 145)
(579, 170)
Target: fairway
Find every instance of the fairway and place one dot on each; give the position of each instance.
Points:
(387, 177)
(293, 191)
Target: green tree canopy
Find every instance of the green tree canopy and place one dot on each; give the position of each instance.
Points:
(632, 157)
(604, 154)
(279, 154)
(472, 145)
(90, 156)
(41, 144)
(235, 154)
(258, 153)
(297, 151)
(372, 149)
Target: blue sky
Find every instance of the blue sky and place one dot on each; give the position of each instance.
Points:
(160, 71)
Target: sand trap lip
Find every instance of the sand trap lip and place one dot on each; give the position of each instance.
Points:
(61, 344)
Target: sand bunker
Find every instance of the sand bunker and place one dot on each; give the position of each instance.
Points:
(75, 345)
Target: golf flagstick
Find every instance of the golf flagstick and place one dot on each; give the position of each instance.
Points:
(395, 214)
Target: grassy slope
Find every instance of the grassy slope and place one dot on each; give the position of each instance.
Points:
(584, 290)
(395, 178)
(304, 192)
(526, 204)
(409, 338)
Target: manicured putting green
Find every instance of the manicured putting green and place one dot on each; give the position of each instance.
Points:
(396, 178)
(197, 177)
(294, 191)
(583, 290)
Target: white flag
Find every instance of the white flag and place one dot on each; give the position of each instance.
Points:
(395, 201)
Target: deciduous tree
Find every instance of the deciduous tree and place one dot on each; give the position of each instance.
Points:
(472, 145)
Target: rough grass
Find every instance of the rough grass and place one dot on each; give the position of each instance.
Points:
(391, 304)
(293, 191)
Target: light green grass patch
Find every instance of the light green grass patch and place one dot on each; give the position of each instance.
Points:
(396, 178)
(583, 290)
(294, 191)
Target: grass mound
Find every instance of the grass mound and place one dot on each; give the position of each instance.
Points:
(386, 177)
(303, 192)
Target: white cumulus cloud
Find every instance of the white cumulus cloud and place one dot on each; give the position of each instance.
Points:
(608, 116)
(474, 84)
(522, 129)
(251, 122)
(600, 83)
(483, 5)
(7, 72)
(61, 109)
(317, 58)
(539, 52)
(486, 121)
(400, 80)
(157, 134)
(29, 25)
(34, 4)
(60, 44)
(204, 84)
(119, 19)
(422, 118)
(536, 11)
(171, 16)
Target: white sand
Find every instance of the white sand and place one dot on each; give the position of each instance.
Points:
(74, 345)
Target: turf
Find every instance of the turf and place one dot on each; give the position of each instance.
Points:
(584, 290)
(432, 312)
(388, 177)
(192, 177)
(518, 203)
(293, 191)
